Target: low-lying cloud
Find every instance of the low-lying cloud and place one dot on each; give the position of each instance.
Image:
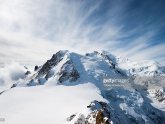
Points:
(11, 72)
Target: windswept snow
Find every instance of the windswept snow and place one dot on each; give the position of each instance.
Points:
(46, 104)
(67, 83)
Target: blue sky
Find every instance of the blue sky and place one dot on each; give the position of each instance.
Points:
(31, 31)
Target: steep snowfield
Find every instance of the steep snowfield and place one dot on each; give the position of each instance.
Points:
(131, 106)
(46, 104)
(63, 87)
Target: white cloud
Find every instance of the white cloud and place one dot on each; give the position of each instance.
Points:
(35, 29)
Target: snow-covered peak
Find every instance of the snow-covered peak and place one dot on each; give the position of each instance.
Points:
(66, 66)
(85, 74)
(103, 54)
(142, 68)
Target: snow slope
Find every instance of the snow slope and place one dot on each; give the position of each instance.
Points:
(46, 104)
(63, 87)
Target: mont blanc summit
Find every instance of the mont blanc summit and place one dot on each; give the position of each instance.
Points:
(71, 88)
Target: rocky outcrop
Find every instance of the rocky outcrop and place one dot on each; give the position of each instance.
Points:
(68, 72)
(65, 70)
(36, 68)
(56, 58)
(158, 94)
(27, 73)
(99, 114)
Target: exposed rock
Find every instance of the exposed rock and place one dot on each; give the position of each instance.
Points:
(14, 85)
(31, 83)
(99, 114)
(80, 119)
(110, 61)
(158, 94)
(25, 67)
(68, 72)
(36, 68)
(71, 117)
(56, 58)
(2, 92)
(27, 73)
(59, 66)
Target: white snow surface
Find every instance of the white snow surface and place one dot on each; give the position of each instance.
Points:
(52, 103)
(46, 104)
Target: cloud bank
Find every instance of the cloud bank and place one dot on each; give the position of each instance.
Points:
(11, 72)
(31, 31)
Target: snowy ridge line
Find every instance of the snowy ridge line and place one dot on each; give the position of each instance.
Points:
(98, 88)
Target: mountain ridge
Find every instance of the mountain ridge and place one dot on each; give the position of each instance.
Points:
(77, 63)
(127, 102)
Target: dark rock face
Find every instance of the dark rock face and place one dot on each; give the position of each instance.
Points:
(111, 62)
(71, 117)
(27, 73)
(31, 83)
(68, 72)
(25, 67)
(159, 95)
(100, 114)
(14, 85)
(36, 68)
(56, 58)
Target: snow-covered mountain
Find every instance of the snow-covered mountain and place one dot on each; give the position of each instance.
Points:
(142, 68)
(72, 87)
